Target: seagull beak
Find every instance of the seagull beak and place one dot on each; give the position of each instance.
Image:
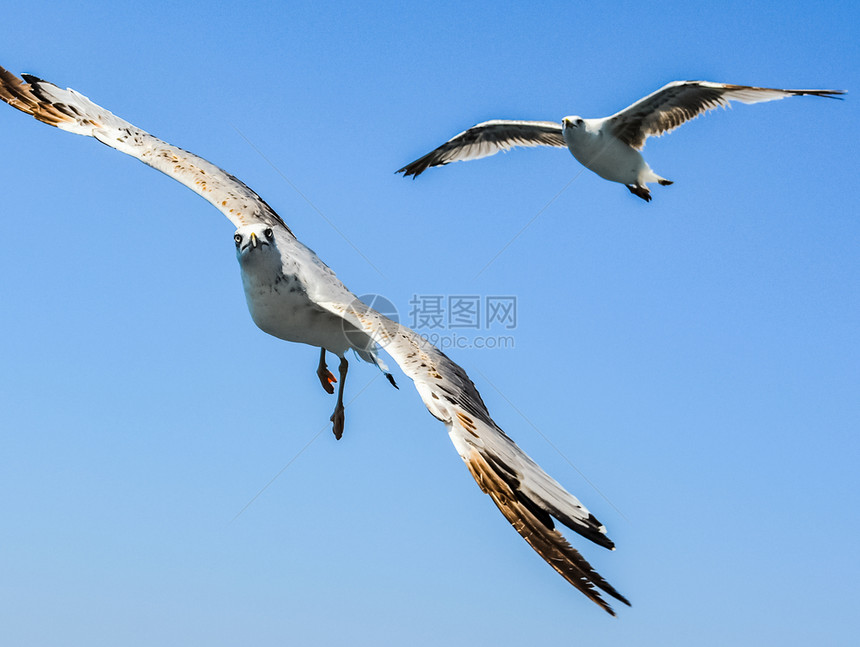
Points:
(253, 239)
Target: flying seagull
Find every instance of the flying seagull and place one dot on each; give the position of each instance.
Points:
(608, 146)
(293, 295)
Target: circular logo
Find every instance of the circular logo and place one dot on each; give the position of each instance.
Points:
(366, 337)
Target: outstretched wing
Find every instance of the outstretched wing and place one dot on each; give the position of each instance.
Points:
(526, 495)
(680, 101)
(487, 139)
(71, 111)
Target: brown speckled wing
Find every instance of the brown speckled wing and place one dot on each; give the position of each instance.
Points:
(68, 110)
(525, 494)
(536, 527)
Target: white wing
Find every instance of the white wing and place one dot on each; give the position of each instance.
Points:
(71, 111)
(488, 138)
(680, 101)
(526, 495)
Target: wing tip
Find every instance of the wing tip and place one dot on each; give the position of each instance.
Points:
(32, 79)
(547, 542)
(408, 172)
(831, 94)
(417, 167)
(23, 93)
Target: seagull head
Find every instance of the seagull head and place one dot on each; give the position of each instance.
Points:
(572, 122)
(254, 241)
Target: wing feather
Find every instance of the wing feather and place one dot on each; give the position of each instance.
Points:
(75, 113)
(488, 138)
(680, 101)
(525, 494)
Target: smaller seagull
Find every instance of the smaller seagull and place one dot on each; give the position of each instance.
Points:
(608, 146)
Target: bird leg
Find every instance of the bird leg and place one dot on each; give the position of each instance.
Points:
(325, 375)
(640, 192)
(337, 417)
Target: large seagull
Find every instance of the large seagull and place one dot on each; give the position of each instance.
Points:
(609, 146)
(293, 295)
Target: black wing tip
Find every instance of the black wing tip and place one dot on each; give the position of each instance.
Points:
(414, 169)
(407, 172)
(597, 536)
(589, 528)
(618, 597)
(390, 378)
(420, 165)
(830, 94)
(600, 538)
(32, 79)
(824, 94)
(608, 589)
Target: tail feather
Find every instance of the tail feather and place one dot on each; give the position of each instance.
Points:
(640, 191)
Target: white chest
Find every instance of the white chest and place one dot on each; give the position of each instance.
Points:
(605, 155)
(279, 305)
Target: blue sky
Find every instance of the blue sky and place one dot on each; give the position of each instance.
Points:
(689, 368)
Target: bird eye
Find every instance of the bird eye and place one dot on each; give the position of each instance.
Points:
(238, 239)
(579, 122)
(269, 233)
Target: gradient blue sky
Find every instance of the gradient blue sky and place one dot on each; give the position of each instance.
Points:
(695, 358)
